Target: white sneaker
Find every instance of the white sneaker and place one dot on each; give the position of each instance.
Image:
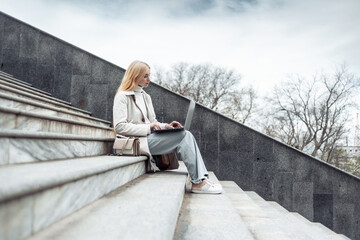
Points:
(208, 187)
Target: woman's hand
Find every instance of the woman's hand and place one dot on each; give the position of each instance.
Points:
(154, 126)
(173, 124)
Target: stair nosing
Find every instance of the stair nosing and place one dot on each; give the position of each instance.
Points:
(307, 224)
(55, 102)
(50, 135)
(40, 184)
(42, 105)
(282, 216)
(4, 74)
(47, 117)
(21, 83)
(25, 89)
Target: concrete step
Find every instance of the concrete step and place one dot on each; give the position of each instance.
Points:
(40, 99)
(10, 101)
(146, 208)
(315, 226)
(301, 218)
(4, 74)
(260, 223)
(22, 146)
(208, 216)
(27, 89)
(34, 196)
(289, 222)
(30, 121)
(20, 83)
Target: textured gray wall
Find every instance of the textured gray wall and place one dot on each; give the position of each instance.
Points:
(233, 151)
(57, 67)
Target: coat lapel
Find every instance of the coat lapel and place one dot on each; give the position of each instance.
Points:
(132, 94)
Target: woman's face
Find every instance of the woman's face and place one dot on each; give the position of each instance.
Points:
(145, 80)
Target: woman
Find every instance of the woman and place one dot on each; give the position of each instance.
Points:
(133, 115)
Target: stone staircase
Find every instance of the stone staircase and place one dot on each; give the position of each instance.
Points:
(58, 182)
(53, 159)
(269, 220)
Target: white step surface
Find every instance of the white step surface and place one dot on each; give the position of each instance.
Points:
(37, 195)
(260, 223)
(23, 147)
(30, 121)
(314, 227)
(210, 216)
(7, 100)
(288, 222)
(5, 74)
(22, 84)
(295, 217)
(31, 90)
(9, 76)
(40, 98)
(146, 208)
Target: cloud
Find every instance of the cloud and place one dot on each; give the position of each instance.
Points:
(264, 40)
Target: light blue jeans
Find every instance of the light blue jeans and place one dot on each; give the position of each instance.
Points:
(184, 145)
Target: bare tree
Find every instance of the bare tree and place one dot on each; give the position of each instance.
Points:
(212, 86)
(239, 105)
(311, 116)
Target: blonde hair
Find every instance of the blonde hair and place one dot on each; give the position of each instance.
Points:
(133, 76)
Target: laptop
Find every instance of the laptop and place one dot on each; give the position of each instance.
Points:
(189, 117)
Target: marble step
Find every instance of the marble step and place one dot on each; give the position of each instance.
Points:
(293, 215)
(33, 91)
(210, 216)
(262, 224)
(10, 101)
(5, 74)
(38, 195)
(289, 221)
(23, 147)
(146, 208)
(29, 121)
(9, 76)
(20, 83)
(31, 97)
(317, 226)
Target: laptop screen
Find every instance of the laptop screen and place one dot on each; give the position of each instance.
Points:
(189, 115)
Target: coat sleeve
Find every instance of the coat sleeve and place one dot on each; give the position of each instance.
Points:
(120, 119)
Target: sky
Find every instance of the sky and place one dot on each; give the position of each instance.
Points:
(265, 41)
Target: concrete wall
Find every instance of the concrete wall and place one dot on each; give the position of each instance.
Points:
(233, 151)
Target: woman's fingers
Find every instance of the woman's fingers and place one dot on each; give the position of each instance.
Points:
(175, 124)
(154, 126)
(169, 126)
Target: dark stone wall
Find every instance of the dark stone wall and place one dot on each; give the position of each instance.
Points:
(64, 70)
(233, 151)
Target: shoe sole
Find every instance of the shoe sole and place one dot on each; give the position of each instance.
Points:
(203, 192)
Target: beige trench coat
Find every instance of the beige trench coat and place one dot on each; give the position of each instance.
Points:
(129, 120)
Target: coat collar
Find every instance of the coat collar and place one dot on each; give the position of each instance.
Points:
(129, 92)
(132, 92)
